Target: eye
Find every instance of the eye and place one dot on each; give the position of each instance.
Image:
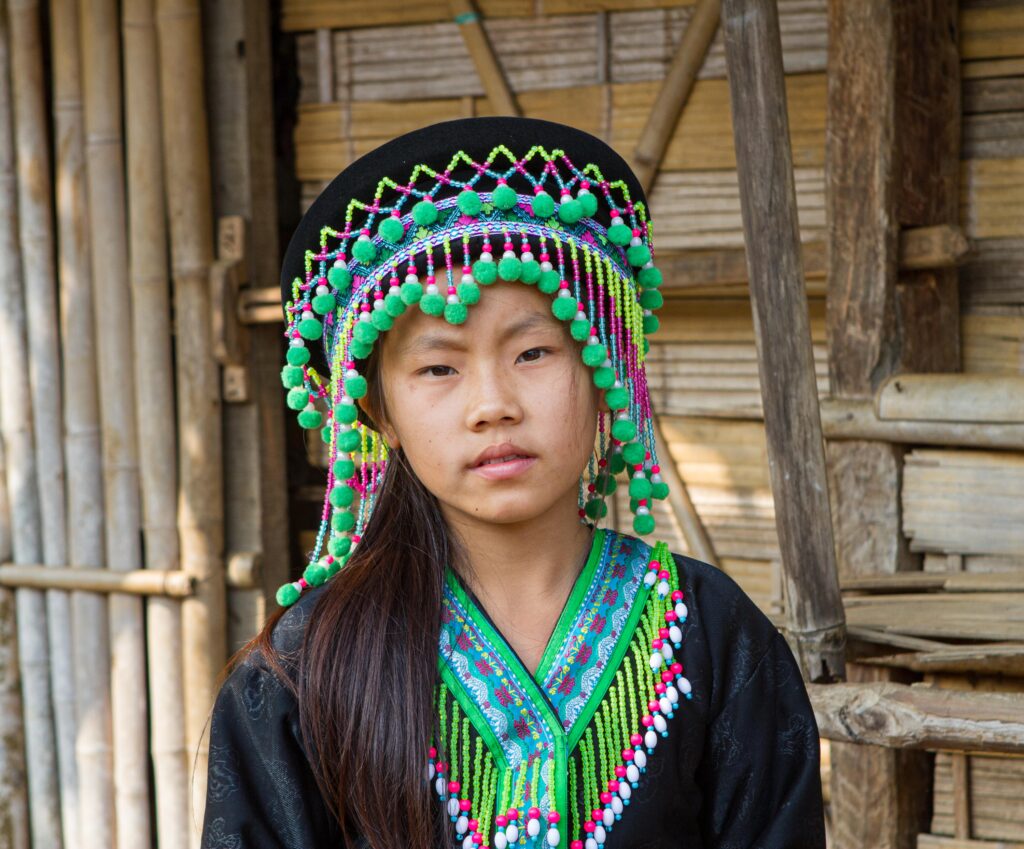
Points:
(432, 371)
(534, 351)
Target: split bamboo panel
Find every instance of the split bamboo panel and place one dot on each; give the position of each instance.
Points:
(993, 274)
(941, 616)
(992, 198)
(993, 343)
(995, 787)
(964, 502)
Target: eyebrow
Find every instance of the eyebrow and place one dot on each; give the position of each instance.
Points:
(444, 341)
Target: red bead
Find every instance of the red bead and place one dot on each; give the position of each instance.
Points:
(554, 817)
(676, 668)
(620, 771)
(671, 616)
(595, 815)
(513, 814)
(606, 798)
(613, 785)
(473, 825)
(647, 721)
(663, 633)
(501, 820)
(589, 827)
(677, 595)
(627, 754)
(666, 676)
(432, 752)
(465, 805)
(659, 688)
(533, 814)
(454, 786)
(636, 739)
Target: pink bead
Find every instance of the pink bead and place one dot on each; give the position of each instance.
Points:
(595, 815)
(636, 739)
(431, 279)
(606, 798)
(613, 786)
(432, 752)
(666, 677)
(365, 306)
(676, 668)
(589, 827)
(647, 721)
(538, 189)
(512, 814)
(473, 825)
(454, 786)
(576, 844)
(465, 805)
(620, 771)
(533, 814)
(663, 633)
(585, 184)
(564, 284)
(545, 257)
(452, 290)
(501, 820)
(657, 644)
(302, 583)
(636, 231)
(677, 595)
(659, 688)
(671, 616)
(627, 754)
(364, 232)
(477, 838)
(355, 538)
(441, 766)
(654, 564)
(664, 575)
(554, 817)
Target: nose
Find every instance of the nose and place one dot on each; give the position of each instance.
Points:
(493, 399)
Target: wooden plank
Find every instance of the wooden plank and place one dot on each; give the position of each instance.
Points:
(982, 659)
(992, 198)
(993, 273)
(1001, 94)
(954, 582)
(967, 616)
(993, 136)
(991, 30)
(952, 397)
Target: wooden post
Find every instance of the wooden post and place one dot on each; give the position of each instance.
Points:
(796, 453)
(201, 493)
(500, 95)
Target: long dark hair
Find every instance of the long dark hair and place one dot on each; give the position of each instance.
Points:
(367, 670)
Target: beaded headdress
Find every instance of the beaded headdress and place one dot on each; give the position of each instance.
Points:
(427, 221)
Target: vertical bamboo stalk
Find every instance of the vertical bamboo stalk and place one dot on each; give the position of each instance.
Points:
(35, 303)
(91, 644)
(104, 158)
(201, 494)
(151, 318)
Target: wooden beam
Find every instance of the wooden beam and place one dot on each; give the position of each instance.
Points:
(989, 398)
(978, 582)
(499, 93)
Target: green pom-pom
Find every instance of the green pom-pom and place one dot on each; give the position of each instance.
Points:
(360, 350)
(604, 377)
(432, 303)
(338, 547)
(325, 434)
(580, 329)
(310, 328)
(297, 399)
(365, 332)
(570, 211)
(651, 324)
(509, 268)
(469, 292)
(394, 305)
(643, 524)
(623, 430)
(543, 205)
(588, 202)
(342, 520)
(617, 397)
(530, 271)
(469, 202)
(355, 387)
(596, 508)
(411, 292)
(323, 303)
(424, 213)
(391, 229)
(298, 355)
(647, 347)
(364, 250)
(606, 483)
(346, 413)
(640, 488)
(594, 355)
(485, 273)
(381, 320)
(455, 313)
(344, 468)
(616, 462)
(634, 453)
(339, 277)
(659, 490)
(651, 299)
(504, 197)
(349, 440)
(638, 255)
(310, 419)
(292, 376)
(564, 308)
(342, 495)
(649, 278)
(620, 234)
(549, 281)
(315, 574)
(288, 594)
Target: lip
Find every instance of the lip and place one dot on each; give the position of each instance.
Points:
(508, 469)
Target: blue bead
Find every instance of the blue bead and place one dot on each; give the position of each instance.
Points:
(689, 695)
(634, 784)
(625, 801)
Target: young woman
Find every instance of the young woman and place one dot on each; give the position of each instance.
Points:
(475, 661)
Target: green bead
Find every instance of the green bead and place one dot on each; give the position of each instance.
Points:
(339, 277)
(469, 292)
(623, 430)
(509, 268)
(288, 594)
(564, 308)
(620, 234)
(323, 304)
(617, 397)
(638, 255)
(338, 547)
(365, 332)
(298, 355)
(292, 376)
(634, 453)
(381, 320)
(651, 299)
(310, 328)
(394, 305)
(643, 524)
(349, 440)
(297, 398)
(616, 462)
(315, 574)
(485, 273)
(355, 387)
(364, 250)
(455, 313)
(344, 468)
(424, 213)
(504, 197)
(651, 324)
(346, 413)
(596, 508)
(588, 202)
(411, 292)
(391, 229)
(606, 483)
(469, 202)
(432, 304)
(530, 271)
(570, 211)
(659, 490)
(342, 520)
(311, 419)
(640, 488)
(604, 377)
(580, 329)
(594, 355)
(543, 205)
(360, 350)
(649, 278)
(342, 495)
(549, 282)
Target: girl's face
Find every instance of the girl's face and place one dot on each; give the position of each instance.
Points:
(510, 381)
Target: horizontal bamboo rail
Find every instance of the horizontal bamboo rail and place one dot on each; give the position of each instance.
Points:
(983, 398)
(175, 583)
(1012, 580)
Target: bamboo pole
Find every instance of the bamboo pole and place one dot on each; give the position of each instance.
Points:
(201, 494)
(101, 65)
(172, 583)
(496, 87)
(151, 319)
(91, 644)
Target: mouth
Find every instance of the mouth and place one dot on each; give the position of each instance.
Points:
(502, 461)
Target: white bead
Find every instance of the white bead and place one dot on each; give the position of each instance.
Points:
(364, 316)
(684, 685)
(322, 290)
(533, 827)
(500, 841)
(681, 610)
(640, 758)
(546, 266)
(650, 578)
(666, 650)
(635, 241)
(639, 474)
(394, 290)
(632, 773)
(663, 588)
(656, 477)
(660, 724)
(672, 694)
(564, 293)
(527, 256)
(351, 372)
(665, 704)
(675, 634)
(581, 316)
(487, 256)
(307, 312)
(649, 264)
(583, 191)
(617, 805)
(650, 739)
(378, 304)
(441, 785)
(625, 791)
(467, 843)
(608, 817)
(339, 263)
(462, 824)
(453, 299)
(363, 238)
(432, 289)
(617, 220)
(656, 660)
(590, 843)
(411, 278)
(553, 837)
(512, 832)
(508, 254)
(600, 835)
(453, 807)
(430, 772)
(467, 278)
(298, 342)
(607, 362)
